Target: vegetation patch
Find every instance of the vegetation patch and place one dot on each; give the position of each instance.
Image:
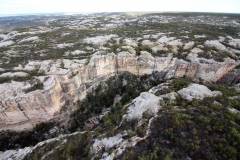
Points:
(142, 48)
(94, 103)
(205, 130)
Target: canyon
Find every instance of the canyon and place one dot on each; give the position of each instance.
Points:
(120, 86)
(24, 111)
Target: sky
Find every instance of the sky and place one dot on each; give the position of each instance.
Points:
(52, 6)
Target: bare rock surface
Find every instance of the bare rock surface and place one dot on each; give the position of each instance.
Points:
(196, 91)
(35, 38)
(99, 39)
(146, 102)
(175, 43)
(199, 36)
(171, 96)
(77, 52)
(234, 42)
(14, 154)
(6, 43)
(216, 44)
(157, 48)
(130, 42)
(188, 45)
(107, 142)
(12, 74)
(165, 39)
(148, 43)
(196, 50)
(64, 45)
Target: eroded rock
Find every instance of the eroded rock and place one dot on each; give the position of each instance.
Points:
(196, 91)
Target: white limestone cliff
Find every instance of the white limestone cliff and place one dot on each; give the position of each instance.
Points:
(20, 110)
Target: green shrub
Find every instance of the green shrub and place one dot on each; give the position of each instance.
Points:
(142, 48)
(37, 85)
(180, 83)
(5, 79)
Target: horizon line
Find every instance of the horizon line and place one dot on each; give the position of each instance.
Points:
(75, 13)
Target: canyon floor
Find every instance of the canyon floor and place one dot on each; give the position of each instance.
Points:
(120, 86)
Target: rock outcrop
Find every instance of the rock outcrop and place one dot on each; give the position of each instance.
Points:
(216, 44)
(196, 91)
(20, 111)
(25, 110)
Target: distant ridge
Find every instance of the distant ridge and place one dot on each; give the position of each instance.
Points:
(45, 14)
(109, 13)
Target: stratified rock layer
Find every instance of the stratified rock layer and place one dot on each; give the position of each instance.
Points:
(24, 110)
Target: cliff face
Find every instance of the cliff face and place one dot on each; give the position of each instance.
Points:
(25, 110)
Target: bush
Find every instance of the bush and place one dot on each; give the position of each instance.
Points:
(180, 83)
(160, 53)
(5, 79)
(37, 85)
(114, 48)
(204, 55)
(142, 48)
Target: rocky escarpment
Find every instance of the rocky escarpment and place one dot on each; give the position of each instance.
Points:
(25, 110)
(20, 111)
